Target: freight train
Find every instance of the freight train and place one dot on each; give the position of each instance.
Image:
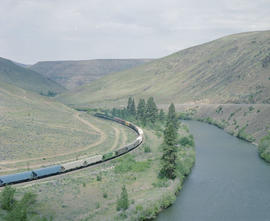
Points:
(78, 164)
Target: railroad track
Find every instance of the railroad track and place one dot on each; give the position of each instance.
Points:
(61, 169)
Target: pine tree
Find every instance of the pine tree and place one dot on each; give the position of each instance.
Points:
(114, 111)
(161, 115)
(129, 105)
(133, 108)
(122, 202)
(168, 161)
(141, 110)
(151, 110)
(172, 118)
(169, 155)
(170, 135)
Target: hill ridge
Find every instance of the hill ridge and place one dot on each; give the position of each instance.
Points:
(73, 73)
(227, 70)
(27, 79)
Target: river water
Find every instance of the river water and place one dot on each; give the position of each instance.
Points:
(229, 181)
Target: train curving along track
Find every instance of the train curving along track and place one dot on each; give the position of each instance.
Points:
(78, 164)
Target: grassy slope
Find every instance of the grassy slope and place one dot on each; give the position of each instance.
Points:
(71, 74)
(36, 130)
(225, 70)
(26, 79)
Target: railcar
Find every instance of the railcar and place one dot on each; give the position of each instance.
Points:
(104, 116)
(47, 171)
(108, 156)
(73, 165)
(121, 151)
(16, 178)
(93, 160)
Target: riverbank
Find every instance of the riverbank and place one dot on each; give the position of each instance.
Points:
(228, 181)
(250, 122)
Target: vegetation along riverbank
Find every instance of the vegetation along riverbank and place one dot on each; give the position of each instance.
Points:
(249, 122)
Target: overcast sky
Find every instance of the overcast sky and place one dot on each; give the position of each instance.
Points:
(35, 30)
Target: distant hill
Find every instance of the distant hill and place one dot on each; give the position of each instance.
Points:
(22, 65)
(232, 69)
(71, 74)
(27, 79)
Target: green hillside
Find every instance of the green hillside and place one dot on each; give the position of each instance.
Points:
(27, 79)
(37, 131)
(71, 74)
(233, 69)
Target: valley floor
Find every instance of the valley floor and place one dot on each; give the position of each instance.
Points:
(91, 193)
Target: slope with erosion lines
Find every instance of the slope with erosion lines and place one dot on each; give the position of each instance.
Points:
(233, 69)
(72, 74)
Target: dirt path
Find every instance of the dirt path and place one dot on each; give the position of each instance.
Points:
(116, 140)
(124, 135)
(76, 115)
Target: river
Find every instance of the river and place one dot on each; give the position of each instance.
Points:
(229, 181)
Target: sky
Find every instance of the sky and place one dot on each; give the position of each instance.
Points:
(38, 30)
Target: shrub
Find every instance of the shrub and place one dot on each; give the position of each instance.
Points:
(243, 135)
(20, 209)
(99, 177)
(139, 208)
(219, 110)
(122, 202)
(184, 141)
(251, 108)
(7, 198)
(167, 200)
(264, 147)
(147, 149)
(105, 195)
(185, 116)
